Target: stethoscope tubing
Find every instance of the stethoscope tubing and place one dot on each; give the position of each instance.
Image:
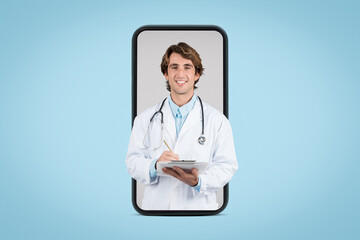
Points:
(202, 138)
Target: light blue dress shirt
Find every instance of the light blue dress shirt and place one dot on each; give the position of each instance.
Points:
(180, 114)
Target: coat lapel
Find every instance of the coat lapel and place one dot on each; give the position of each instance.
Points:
(193, 118)
(169, 123)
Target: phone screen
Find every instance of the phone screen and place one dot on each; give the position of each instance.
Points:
(149, 45)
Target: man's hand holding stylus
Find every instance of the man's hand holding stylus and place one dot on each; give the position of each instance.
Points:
(167, 156)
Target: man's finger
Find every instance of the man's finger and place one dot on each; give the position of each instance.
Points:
(175, 156)
(171, 155)
(179, 171)
(194, 171)
(171, 172)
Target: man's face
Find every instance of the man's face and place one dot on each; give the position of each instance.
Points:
(181, 75)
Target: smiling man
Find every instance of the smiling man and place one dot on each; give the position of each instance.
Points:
(181, 127)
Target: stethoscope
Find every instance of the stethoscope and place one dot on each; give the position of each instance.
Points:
(201, 139)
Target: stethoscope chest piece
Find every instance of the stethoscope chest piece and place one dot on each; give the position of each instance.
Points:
(202, 139)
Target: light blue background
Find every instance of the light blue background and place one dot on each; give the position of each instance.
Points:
(65, 117)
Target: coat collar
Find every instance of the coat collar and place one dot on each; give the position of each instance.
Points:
(193, 118)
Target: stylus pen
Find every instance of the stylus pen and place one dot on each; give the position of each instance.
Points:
(167, 146)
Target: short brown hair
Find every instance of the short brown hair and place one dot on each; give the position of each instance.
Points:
(186, 52)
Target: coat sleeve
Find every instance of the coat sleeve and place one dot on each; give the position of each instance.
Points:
(224, 163)
(137, 159)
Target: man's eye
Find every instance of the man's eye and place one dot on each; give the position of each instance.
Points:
(173, 67)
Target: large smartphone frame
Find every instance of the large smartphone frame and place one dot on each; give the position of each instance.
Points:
(135, 108)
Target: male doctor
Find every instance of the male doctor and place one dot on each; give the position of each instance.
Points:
(177, 189)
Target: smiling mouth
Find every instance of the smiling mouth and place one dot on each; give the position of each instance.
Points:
(180, 81)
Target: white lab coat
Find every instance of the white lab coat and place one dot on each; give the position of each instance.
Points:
(166, 192)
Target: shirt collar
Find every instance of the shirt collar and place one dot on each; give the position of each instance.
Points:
(185, 109)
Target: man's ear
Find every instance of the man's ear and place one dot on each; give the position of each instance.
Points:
(197, 76)
(166, 76)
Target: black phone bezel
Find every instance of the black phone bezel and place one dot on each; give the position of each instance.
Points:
(134, 110)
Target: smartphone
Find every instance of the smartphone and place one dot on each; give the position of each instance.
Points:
(149, 44)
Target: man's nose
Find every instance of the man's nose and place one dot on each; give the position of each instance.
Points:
(181, 72)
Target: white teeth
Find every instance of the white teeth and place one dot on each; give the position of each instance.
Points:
(180, 82)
